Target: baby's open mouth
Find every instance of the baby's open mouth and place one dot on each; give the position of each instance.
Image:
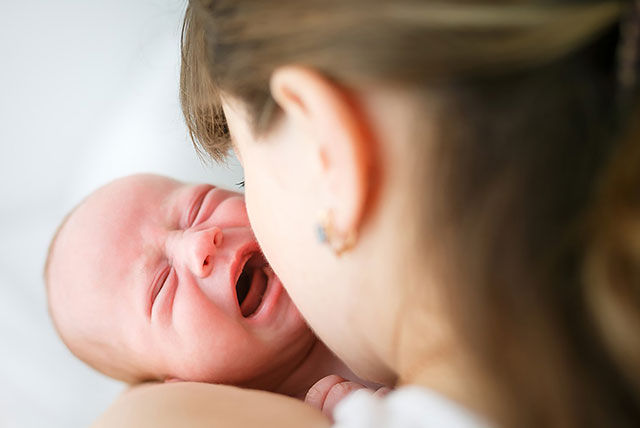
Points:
(252, 284)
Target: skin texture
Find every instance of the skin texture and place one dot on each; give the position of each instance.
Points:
(345, 153)
(148, 235)
(203, 405)
(330, 390)
(318, 158)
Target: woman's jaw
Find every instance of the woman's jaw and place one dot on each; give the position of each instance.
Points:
(353, 302)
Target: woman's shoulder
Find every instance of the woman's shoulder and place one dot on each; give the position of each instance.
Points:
(195, 404)
(409, 406)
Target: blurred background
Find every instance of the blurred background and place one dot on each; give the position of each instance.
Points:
(88, 92)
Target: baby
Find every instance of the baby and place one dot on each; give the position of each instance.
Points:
(153, 279)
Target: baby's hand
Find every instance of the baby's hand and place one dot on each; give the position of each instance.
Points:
(328, 391)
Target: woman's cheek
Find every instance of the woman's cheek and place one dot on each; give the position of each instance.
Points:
(256, 212)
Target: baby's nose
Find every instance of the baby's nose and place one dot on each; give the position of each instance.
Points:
(200, 248)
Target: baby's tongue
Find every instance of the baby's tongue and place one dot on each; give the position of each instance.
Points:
(256, 293)
(252, 286)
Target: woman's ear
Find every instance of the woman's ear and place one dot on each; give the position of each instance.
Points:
(331, 120)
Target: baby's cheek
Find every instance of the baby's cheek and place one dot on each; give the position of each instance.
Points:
(204, 344)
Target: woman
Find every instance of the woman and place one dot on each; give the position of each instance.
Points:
(448, 192)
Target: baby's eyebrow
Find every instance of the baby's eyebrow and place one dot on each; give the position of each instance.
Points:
(173, 205)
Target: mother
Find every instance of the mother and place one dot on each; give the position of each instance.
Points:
(449, 191)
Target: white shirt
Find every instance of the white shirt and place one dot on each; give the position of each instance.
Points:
(406, 407)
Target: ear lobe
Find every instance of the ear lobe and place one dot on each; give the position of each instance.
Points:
(330, 119)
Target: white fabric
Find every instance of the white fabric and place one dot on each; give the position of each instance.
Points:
(407, 407)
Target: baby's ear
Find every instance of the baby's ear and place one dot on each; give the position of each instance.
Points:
(173, 379)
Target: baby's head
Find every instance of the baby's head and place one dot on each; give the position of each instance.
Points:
(152, 279)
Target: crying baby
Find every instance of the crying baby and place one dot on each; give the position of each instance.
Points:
(151, 279)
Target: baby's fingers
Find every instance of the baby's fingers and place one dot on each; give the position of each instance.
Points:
(337, 393)
(318, 392)
(328, 391)
(382, 392)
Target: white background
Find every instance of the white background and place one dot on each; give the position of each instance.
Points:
(88, 92)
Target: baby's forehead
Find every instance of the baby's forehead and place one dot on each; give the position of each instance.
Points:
(124, 197)
(109, 221)
(128, 191)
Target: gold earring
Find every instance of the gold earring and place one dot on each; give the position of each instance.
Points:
(327, 233)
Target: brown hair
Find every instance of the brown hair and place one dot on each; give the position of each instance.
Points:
(538, 170)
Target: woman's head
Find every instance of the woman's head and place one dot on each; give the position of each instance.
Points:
(469, 146)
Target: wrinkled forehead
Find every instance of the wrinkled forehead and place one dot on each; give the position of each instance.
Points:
(96, 255)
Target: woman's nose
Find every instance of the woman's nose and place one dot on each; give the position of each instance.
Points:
(198, 249)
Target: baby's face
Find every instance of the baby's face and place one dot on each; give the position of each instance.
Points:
(169, 277)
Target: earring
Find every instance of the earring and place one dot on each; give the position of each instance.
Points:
(327, 234)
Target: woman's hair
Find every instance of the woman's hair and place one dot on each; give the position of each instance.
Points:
(536, 174)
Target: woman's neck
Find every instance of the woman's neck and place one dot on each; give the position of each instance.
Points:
(444, 366)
